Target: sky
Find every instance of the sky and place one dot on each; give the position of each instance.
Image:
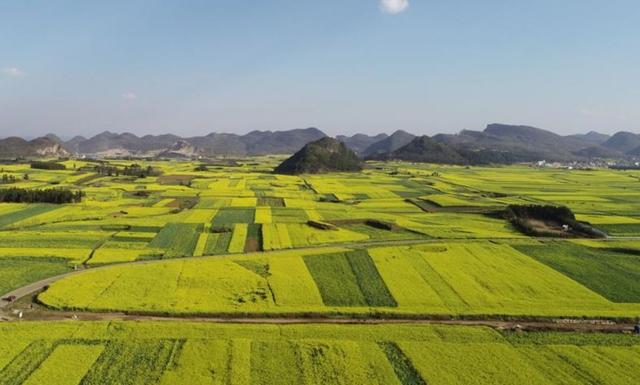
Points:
(344, 66)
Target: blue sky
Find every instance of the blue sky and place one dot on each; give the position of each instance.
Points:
(345, 66)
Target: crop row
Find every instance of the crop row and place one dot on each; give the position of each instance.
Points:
(172, 353)
(178, 239)
(349, 279)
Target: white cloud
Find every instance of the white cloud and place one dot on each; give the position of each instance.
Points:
(394, 6)
(129, 96)
(12, 72)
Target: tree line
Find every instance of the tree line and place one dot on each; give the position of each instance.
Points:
(132, 170)
(8, 179)
(47, 165)
(55, 196)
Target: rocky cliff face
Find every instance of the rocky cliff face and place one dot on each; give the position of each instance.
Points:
(41, 147)
(181, 149)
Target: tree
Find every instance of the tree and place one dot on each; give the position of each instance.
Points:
(55, 196)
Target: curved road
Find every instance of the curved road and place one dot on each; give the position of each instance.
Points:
(34, 287)
(40, 285)
(524, 324)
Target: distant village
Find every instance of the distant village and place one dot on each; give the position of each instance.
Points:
(618, 164)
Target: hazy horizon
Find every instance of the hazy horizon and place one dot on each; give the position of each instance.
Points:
(389, 132)
(346, 67)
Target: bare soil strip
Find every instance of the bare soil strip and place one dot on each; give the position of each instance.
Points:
(26, 309)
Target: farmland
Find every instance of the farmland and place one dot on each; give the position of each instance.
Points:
(397, 241)
(411, 240)
(476, 278)
(200, 353)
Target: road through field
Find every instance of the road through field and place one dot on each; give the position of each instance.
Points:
(512, 323)
(563, 325)
(41, 285)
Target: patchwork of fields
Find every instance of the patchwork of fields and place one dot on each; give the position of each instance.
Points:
(169, 353)
(395, 241)
(459, 278)
(470, 263)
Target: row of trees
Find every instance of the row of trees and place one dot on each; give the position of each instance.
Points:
(55, 196)
(132, 170)
(7, 179)
(47, 165)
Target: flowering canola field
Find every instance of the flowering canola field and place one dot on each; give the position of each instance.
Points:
(395, 241)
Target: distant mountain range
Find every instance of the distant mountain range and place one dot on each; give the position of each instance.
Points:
(498, 143)
(387, 145)
(501, 143)
(14, 147)
(109, 144)
(361, 142)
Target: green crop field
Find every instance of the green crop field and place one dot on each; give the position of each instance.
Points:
(349, 279)
(190, 353)
(17, 272)
(613, 273)
(397, 242)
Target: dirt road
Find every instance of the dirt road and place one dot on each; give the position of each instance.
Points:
(34, 312)
(25, 304)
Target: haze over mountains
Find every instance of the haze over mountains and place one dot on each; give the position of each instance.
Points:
(498, 143)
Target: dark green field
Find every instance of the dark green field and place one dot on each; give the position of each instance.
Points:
(17, 272)
(349, 279)
(613, 274)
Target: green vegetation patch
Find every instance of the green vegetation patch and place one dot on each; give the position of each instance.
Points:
(373, 288)
(256, 266)
(178, 180)
(380, 234)
(136, 362)
(31, 211)
(569, 338)
(275, 362)
(621, 229)
(231, 215)
(271, 202)
(49, 195)
(179, 239)
(25, 363)
(41, 165)
(288, 215)
(254, 238)
(144, 229)
(349, 279)
(59, 240)
(402, 366)
(336, 281)
(217, 243)
(17, 272)
(86, 179)
(614, 275)
(129, 239)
